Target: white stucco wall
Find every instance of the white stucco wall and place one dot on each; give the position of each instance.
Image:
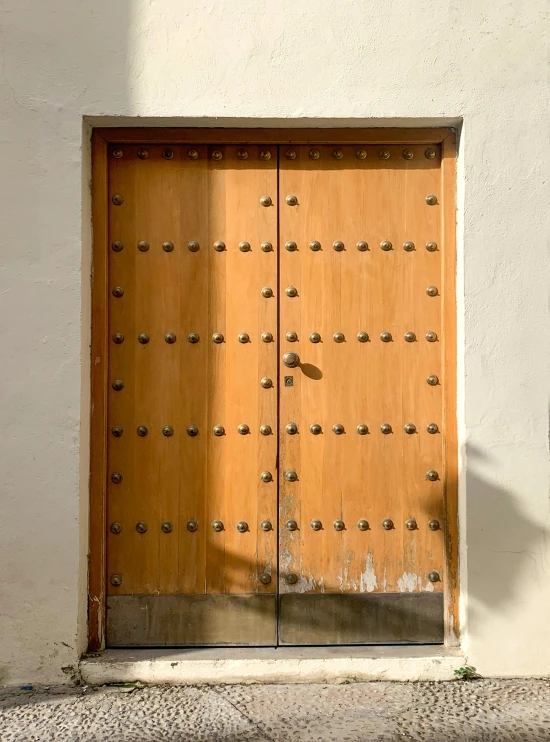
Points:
(283, 62)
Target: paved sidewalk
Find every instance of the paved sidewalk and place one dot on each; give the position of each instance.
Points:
(473, 711)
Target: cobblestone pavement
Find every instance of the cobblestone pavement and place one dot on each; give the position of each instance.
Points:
(473, 711)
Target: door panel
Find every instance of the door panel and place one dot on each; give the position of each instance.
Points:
(178, 480)
(352, 477)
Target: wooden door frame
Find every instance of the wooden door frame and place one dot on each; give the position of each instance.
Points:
(101, 139)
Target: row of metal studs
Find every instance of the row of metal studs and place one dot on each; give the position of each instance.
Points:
(290, 246)
(290, 154)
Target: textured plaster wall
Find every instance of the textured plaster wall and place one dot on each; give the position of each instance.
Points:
(251, 62)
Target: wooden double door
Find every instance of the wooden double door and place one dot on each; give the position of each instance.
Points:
(275, 428)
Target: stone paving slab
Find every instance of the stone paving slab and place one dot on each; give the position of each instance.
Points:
(473, 711)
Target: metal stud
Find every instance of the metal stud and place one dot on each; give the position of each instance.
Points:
(362, 429)
(265, 429)
(431, 246)
(432, 428)
(141, 527)
(193, 337)
(431, 199)
(143, 338)
(168, 154)
(338, 337)
(361, 154)
(116, 580)
(266, 383)
(142, 154)
(314, 154)
(385, 428)
(410, 337)
(314, 337)
(143, 245)
(315, 245)
(117, 246)
(362, 246)
(266, 201)
(243, 429)
(291, 337)
(411, 525)
(363, 525)
(217, 525)
(193, 154)
(244, 246)
(219, 246)
(433, 525)
(242, 154)
(266, 246)
(432, 291)
(265, 525)
(217, 155)
(433, 380)
(410, 428)
(291, 428)
(407, 154)
(338, 429)
(291, 578)
(243, 337)
(267, 292)
(115, 528)
(291, 360)
(338, 525)
(387, 524)
(168, 431)
(384, 154)
(432, 475)
(267, 337)
(117, 385)
(386, 245)
(167, 246)
(142, 430)
(217, 337)
(290, 154)
(118, 291)
(117, 431)
(430, 154)
(266, 476)
(338, 246)
(315, 429)
(291, 476)
(431, 336)
(117, 199)
(265, 154)
(291, 525)
(170, 338)
(242, 526)
(265, 578)
(291, 200)
(218, 430)
(118, 338)
(166, 527)
(434, 576)
(337, 154)
(117, 153)
(193, 246)
(363, 337)
(116, 477)
(291, 291)
(408, 246)
(192, 430)
(291, 246)
(192, 526)
(386, 337)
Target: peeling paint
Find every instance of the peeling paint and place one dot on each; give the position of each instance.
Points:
(368, 581)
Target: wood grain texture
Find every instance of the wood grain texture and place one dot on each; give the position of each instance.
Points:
(352, 476)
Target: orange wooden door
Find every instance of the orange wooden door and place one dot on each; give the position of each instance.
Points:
(275, 434)
(361, 424)
(192, 433)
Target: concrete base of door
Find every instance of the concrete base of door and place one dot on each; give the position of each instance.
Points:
(267, 665)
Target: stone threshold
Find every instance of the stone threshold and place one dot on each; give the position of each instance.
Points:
(231, 665)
